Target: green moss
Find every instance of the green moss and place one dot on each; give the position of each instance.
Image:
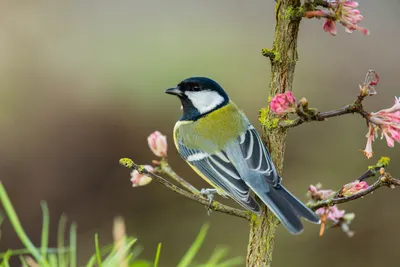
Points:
(272, 124)
(271, 53)
(371, 168)
(254, 218)
(383, 162)
(127, 162)
(265, 120)
(140, 168)
(294, 13)
(263, 115)
(289, 122)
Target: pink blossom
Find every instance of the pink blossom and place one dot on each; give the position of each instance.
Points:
(330, 26)
(387, 121)
(353, 188)
(138, 179)
(316, 193)
(341, 11)
(332, 213)
(370, 138)
(158, 144)
(283, 103)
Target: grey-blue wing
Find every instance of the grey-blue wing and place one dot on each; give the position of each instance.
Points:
(257, 156)
(258, 171)
(222, 173)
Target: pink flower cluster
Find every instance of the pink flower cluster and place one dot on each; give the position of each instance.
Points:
(316, 193)
(158, 144)
(346, 13)
(341, 11)
(283, 103)
(138, 179)
(332, 213)
(386, 121)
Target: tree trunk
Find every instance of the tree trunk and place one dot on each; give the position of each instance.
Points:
(283, 56)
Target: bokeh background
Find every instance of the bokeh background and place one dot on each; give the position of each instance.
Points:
(81, 85)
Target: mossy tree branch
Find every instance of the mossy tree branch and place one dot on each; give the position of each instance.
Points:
(283, 57)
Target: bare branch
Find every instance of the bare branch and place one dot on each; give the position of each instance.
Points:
(215, 205)
(307, 114)
(165, 168)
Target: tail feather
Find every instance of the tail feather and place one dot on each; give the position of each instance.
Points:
(288, 208)
(282, 209)
(301, 209)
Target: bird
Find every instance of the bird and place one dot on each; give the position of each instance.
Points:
(218, 141)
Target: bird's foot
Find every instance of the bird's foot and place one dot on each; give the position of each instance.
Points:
(209, 193)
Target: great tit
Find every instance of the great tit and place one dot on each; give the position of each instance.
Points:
(218, 141)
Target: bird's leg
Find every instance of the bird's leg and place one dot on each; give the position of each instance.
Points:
(209, 193)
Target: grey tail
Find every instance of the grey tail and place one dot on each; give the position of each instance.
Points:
(288, 208)
(301, 209)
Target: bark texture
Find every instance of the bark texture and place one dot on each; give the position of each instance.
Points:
(283, 56)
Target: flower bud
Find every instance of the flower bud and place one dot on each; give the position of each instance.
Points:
(158, 144)
(353, 188)
(283, 103)
(138, 179)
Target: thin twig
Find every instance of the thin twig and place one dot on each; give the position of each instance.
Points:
(307, 115)
(369, 173)
(215, 205)
(385, 180)
(165, 168)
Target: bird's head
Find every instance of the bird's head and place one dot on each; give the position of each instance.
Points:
(199, 96)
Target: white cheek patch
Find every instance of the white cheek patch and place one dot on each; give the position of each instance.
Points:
(205, 101)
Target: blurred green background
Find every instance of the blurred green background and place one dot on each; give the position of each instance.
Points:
(81, 85)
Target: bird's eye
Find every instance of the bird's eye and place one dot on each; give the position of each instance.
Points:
(196, 88)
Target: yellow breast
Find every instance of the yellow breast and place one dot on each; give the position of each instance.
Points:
(213, 131)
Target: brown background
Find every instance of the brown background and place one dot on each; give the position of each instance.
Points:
(81, 85)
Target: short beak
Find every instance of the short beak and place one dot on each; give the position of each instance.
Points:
(173, 91)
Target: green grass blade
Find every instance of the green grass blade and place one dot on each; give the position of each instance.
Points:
(53, 260)
(45, 229)
(97, 248)
(141, 263)
(194, 248)
(114, 258)
(238, 261)
(23, 261)
(103, 251)
(216, 257)
(91, 261)
(6, 259)
(2, 217)
(15, 222)
(135, 252)
(62, 226)
(72, 245)
(157, 258)
(24, 251)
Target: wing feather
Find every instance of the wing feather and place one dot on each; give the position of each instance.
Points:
(257, 157)
(221, 173)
